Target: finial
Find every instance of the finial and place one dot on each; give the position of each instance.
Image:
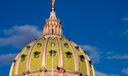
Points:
(53, 3)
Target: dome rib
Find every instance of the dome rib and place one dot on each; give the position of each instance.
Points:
(61, 55)
(75, 58)
(13, 66)
(68, 62)
(29, 55)
(36, 63)
(44, 53)
(24, 51)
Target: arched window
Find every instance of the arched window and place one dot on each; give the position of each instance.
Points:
(66, 45)
(23, 57)
(82, 58)
(77, 47)
(52, 53)
(52, 31)
(85, 52)
(28, 47)
(14, 61)
(90, 62)
(36, 54)
(39, 44)
(68, 54)
(80, 74)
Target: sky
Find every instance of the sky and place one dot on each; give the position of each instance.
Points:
(99, 26)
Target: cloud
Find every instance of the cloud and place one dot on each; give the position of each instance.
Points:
(18, 36)
(118, 56)
(94, 53)
(101, 74)
(124, 33)
(125, 19)
(125, 71)
(6, 58)
(98, 73)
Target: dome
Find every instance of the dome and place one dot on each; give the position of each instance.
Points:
(52, 54)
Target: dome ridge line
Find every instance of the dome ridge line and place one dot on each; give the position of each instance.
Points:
(29, 55)
(60, 52)
(75, 57)
(18, 57)
(44, 53)
(18, 62)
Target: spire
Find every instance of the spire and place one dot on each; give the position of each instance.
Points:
(53, 3)
(53, 14)
(52, 26)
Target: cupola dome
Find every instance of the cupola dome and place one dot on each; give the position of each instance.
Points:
(52, 54)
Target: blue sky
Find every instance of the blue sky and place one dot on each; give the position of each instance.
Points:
(98, 26)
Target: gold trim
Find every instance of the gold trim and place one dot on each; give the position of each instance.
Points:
(44, 52)
(53, 4)
(61, 53)
(10, 73)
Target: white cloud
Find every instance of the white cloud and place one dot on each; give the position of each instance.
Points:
(98, 73)
(6, 58)
(125, 19)
(125, 71)
(94, 53)
(101, 74)
(18, 36)
(118, 56)
(124, 33)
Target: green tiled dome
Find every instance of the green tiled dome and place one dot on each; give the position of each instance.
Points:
(52, 55)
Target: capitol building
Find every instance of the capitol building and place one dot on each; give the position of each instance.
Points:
(51, 54)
